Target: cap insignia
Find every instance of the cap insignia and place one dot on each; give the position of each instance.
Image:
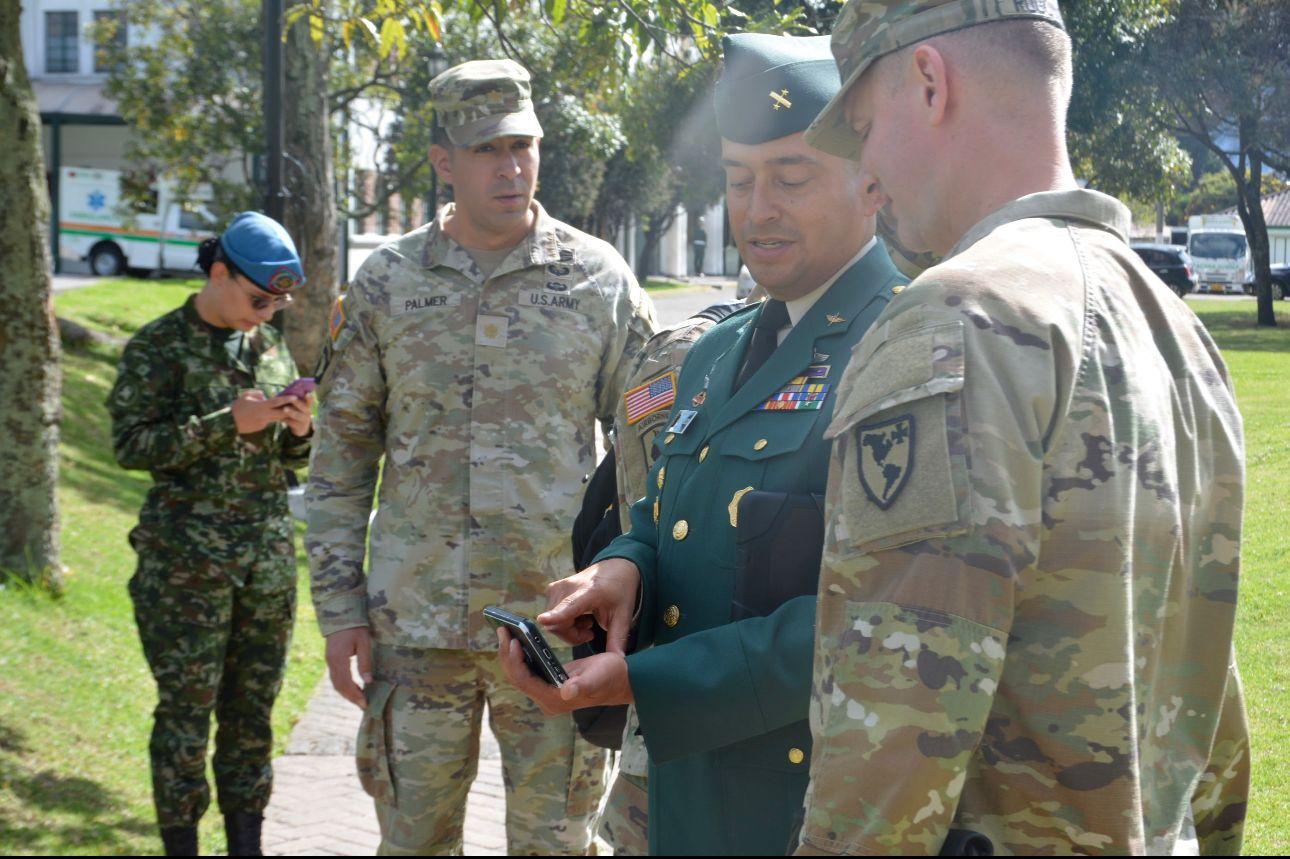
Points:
(780, 99)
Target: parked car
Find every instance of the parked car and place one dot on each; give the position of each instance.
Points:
(1171, 264)
(1281, 281)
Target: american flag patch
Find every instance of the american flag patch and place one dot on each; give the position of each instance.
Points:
(655, 395)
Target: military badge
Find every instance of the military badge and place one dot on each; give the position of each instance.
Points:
(700, 398)
(556, 270)
(818, 371)
(801, 394)
(886, 454)
(647, 431)
(834, 319)
(655, 395)
(779, 100)
(683, 420)
(283, 281)
(337, 321)
(557, 286)
(566, 255)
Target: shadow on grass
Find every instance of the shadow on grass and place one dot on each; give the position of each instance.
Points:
(1235, 327)
(42, 809)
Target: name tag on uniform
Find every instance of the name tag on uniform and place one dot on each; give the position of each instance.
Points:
(683, 421)
(410, 303)
(491, 331)
(548, 298)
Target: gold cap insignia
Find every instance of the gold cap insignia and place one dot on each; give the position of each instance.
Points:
(834, 319)
(780, 99)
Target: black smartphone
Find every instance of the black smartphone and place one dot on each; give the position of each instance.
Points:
(537, 653)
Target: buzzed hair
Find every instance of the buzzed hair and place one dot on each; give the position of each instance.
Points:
(1022, 50)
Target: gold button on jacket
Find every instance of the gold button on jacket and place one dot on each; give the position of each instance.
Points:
(796, 756)
(680, 530)
(672, 616)
(761, 444)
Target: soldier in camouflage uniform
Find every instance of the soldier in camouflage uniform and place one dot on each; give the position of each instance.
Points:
(1034, 508)
(214, 591)
(475, 356)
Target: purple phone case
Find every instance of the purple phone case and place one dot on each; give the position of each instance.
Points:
(301, 387)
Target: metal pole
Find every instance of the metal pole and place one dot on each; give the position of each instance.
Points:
(275, 139)
(56, 188)
(433, 200)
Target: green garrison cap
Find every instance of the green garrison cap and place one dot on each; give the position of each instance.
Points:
(484, 99)
(772, 86)
(866, 31)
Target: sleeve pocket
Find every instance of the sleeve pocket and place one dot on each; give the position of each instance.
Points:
(900, 445)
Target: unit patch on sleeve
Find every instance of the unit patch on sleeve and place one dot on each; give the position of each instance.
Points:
(337, 321)
(654, 396)
(886, 453)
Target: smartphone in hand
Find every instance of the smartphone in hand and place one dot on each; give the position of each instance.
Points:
(301, 387)
(537, 653)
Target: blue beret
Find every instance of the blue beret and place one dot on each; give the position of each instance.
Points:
(773, 86)
(264, 252)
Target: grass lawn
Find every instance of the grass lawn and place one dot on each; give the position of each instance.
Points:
(76, 696)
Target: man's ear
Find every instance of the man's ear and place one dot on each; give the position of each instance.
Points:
(441, 161)
(872, 197)
(932, 79)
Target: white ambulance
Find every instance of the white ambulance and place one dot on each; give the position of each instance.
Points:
(96, 225)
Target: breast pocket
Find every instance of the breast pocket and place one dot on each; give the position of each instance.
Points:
(900, 443)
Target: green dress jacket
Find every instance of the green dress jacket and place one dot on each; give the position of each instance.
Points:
(722, 705)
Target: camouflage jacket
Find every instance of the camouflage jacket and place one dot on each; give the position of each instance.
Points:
(482, 396)
(1030, 573)
(216, 494)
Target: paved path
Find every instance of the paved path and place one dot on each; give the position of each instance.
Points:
(319, 808)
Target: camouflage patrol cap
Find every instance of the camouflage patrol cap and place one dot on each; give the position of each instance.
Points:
(484, 99)
(869, 29)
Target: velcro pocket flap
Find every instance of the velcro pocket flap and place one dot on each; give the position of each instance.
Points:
(908, 367)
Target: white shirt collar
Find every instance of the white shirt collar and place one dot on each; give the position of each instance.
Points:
(798, 307)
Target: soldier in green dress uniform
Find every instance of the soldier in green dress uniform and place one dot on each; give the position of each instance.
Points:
(723, 705)
(197, 402)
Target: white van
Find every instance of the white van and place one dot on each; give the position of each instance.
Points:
(96, 225)
(1220, 253)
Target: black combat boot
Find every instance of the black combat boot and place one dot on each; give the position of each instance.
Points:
(180, 840)
(243, 830)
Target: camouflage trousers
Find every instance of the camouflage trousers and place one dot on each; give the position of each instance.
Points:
(624, 823)
(418, 749)
(212, 648)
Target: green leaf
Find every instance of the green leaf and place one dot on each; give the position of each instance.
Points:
(710, 15)
(557, 11)
(317, 28)
(394, 36)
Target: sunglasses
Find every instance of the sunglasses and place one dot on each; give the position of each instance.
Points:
(260, 301)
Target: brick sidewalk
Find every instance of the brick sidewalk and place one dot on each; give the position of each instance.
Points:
(319, 808)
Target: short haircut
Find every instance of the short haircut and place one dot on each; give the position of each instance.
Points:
(1017, 50)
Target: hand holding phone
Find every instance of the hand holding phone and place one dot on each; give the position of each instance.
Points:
(537, 653)
(302, 387)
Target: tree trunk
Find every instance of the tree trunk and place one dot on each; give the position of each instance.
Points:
(659, 223)
(1249, 205)
(31, 380)
(311, 181)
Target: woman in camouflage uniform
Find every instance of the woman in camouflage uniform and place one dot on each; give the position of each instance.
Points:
(198, 403)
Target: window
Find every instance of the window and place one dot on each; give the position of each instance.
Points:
(109, 37)
(62, 51)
